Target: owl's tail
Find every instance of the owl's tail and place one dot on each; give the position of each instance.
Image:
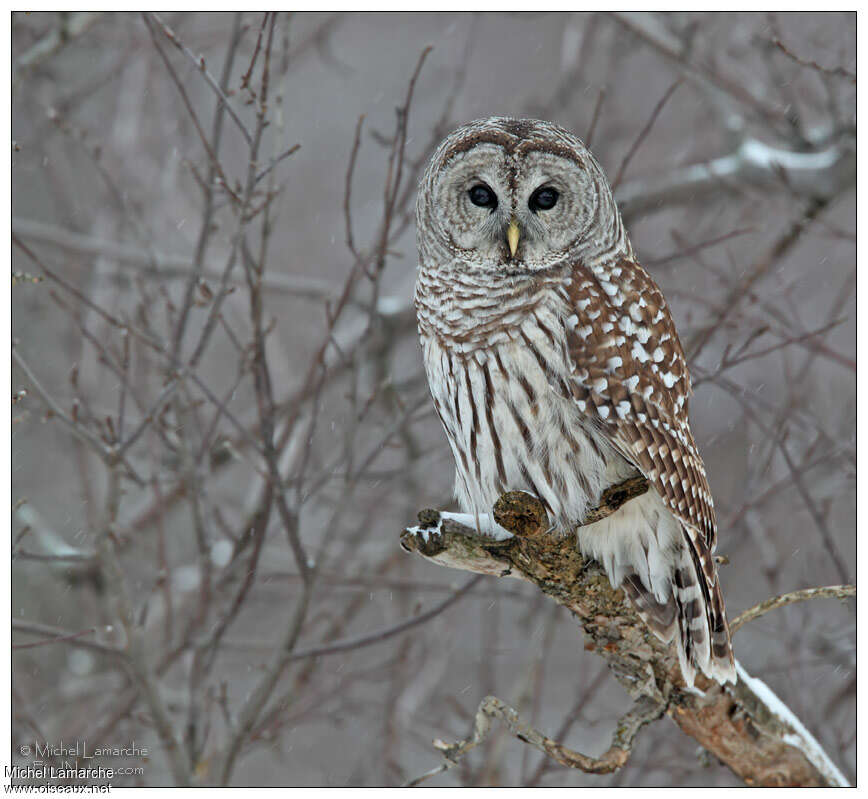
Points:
(693, 614)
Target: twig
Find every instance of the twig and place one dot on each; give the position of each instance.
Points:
(598, 106)
(829, 542)
(643, 134)
(590, 691)
(491, 708)
(245, 80)
(276, 160)
(199, 63)
(695, 248)
(57, 639)
(389, 632)
(213, 160)
(69, 28)
(780, 247)
(215, 169)
(348, 188)
(835, 72)
(77, 430)
(826, 592)
(138, 654)
(648, 28)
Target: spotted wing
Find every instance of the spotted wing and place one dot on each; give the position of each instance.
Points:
(631, 377)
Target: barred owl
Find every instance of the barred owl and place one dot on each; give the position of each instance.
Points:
(555, 368)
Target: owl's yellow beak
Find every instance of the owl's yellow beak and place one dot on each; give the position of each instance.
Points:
(512, 233)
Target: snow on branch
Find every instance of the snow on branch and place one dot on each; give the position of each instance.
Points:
(825, 172)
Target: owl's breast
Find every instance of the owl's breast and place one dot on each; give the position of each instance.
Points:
(471, 308)
(510, 418)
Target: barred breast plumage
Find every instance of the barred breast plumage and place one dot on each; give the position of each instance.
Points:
(555, 368)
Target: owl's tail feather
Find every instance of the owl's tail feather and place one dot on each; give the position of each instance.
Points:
(721, 662)
(661, 617)
(693, 615)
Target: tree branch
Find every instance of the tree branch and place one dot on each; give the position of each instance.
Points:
(745, 726)
(825, 173)
(491, 707)
(826, 592)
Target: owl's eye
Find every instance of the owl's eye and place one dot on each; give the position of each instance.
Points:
(543, 199)
(482, 196)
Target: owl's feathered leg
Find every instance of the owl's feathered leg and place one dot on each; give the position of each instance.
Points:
(692, 614)
(670, 578)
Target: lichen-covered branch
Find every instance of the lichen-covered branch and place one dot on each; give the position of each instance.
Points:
(745, 726)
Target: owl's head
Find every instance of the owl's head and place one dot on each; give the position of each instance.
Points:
(515, 194)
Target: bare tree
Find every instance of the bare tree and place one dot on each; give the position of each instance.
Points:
(220, 421)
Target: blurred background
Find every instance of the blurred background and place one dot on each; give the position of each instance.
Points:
(221, 423)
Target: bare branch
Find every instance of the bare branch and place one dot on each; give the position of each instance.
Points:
(77, 430)
(643, 134)
(385, 634)
(826, 173)
(826, 592)
(71, 27)
(199, 63)
(595, 118)
(744, 725)
(491, 708)
(835, 72)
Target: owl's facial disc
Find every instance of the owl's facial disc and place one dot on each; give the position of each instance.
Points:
(523, 208)
(472, 203)
(557, 198)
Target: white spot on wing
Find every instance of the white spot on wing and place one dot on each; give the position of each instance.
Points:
(639, 353)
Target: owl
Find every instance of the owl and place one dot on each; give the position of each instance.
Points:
(555, 368)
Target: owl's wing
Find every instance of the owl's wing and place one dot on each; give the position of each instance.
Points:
(631, 378)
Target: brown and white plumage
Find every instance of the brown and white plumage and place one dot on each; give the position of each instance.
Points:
(555, 368)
